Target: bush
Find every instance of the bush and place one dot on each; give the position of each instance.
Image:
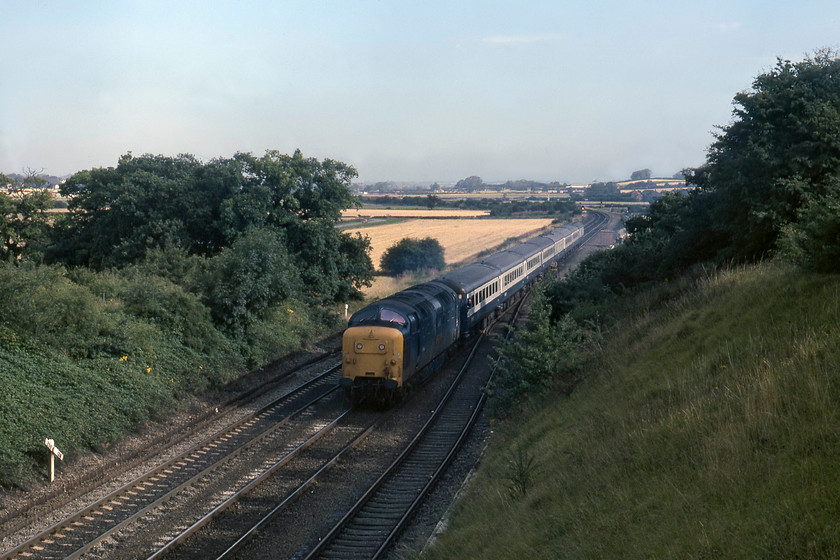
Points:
(540, 356)
(412, 254)
(813, 241)
(41, 303)
(249, 278)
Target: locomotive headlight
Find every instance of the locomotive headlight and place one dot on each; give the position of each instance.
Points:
(358, 346)
(382, 347)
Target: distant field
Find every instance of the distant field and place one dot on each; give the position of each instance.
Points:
(412, 213)
(460, 239)
(510, 195)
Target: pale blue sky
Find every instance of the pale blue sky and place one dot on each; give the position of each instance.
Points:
(409, 91)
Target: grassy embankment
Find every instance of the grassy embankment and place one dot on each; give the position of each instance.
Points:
(86, 357)
(709, 427)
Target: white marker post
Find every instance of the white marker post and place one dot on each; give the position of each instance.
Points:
(54, 452)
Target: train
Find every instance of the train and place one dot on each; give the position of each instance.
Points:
(394, 344)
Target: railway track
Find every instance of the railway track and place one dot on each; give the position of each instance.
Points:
(227, 532)
(257, 508)
(595, 225)
(265, 498)
(372, 524)
(81, 532)
(370, 527)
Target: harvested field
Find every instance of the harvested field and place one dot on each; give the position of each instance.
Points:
(412, 213)
(384, 286)
(461, 239)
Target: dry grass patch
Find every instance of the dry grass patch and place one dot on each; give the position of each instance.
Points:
(461, 239)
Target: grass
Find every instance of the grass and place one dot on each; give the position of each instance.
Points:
(712, 430)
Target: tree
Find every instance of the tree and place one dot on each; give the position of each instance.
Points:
(248, 278)
(412, 254)
(641, 175)
(543, 356)
(24, 222)
(602, 191)
(117, 215)
(771, 184)
(780, 153)
(814, 239)
(303, 187)
(305, 198)
(472, 183)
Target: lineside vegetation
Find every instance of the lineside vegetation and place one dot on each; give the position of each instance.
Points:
(697, 411)
(706, 427)
(166, 278)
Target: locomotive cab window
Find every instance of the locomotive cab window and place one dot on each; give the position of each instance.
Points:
(391, 316)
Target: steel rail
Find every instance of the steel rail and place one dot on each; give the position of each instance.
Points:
(407, 455)
(58, 498)
(376, 524)
(191, 481)
(471, 422)
(248, 535)
(266, 519)
(233, 498)
(44, 543)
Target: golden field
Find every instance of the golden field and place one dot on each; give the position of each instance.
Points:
(412, 213)
(461, 239)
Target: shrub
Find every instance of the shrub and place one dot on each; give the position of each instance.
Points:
(539, 356)
(249, 278)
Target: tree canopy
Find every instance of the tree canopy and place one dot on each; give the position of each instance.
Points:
(117, 214)
(777, 164)
(770, 187)
(412, 254)
(24, 221)
(771, 182)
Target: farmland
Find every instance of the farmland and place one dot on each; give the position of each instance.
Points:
(370, 212)
(461, 239)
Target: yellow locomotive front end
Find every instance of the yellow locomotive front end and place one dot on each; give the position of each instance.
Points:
(372, 363)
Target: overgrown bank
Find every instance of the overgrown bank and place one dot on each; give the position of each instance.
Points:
(167, 277)
(86, 356)
(704, 422)
(707, 428)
